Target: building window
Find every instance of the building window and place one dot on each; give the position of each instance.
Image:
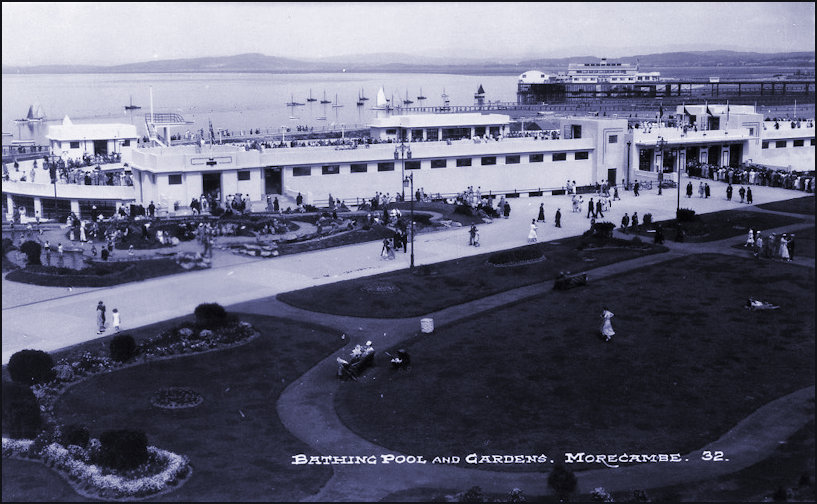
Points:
(391, 131)
(126, 143)
(612, 139)
(385, 166)
(244, 175)
(582, 155)
(751, 132)
(439, 163)
(464, 162)
(330, 169)
(359, 167)
(812, 141)
(560, 156)
(174, 179)
(489, 160)
(798, 143)
(412, 165)
(765, 145)
(780, 144)
(645, 159)
(301, 171)
(75, 145)
(536, 158)
(511, 159)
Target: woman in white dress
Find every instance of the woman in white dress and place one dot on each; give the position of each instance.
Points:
(750, 239)
(606, 326)
(532, 234)
(784, 249)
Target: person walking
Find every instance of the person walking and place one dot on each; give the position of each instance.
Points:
(784, 249)
(100, 317)
(115, 313)
(742, 193)
(790, 245)
(607, 331)
(758, 245)
(635, 222)
(749, 195)
(701, 189)
(636, 188)
(706, 190)
(750, 239)
(506, 210)
(558, 217)
(615, 193)
(472, 240)
(625, 221)
(599, 208)
(541, 217)
(532, 233)
(590, 208)
(689, 189)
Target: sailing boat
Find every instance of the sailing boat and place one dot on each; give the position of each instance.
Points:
(35, 114)
(380, 102)
(362, 95)
(292, 102)
(310, 99)
(132, 106)
(324, 98)
(407, 101)
(360, 98)
(336, 104)
(446, 103)
(421, 97)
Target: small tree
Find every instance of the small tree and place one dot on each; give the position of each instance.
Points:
(74, 434)
(32, 250)
(210, 314)
(29, 367)
(21, 412)
(473, 494)
(123, 347)
(562, 481)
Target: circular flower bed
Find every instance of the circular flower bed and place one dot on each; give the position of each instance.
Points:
(380, 288)
(176, 398)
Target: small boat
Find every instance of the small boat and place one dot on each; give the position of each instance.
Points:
(310, 99)
(321, 118)
(35, 114)
(421, 97)
(336, 104)
(362, 96)
(132, 106)
(324, 98)
(293, 103)
(407, 101)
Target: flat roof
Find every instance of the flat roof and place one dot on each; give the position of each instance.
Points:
(98, 131)
(441, 120)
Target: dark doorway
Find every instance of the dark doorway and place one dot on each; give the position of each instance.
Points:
(273, 183)
(576, 130)
(211, 184)
(735, 155)
(693, 155)
(714, 157)
(611, 176)
(101, 147)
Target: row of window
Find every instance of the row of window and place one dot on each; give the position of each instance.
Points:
(176, 179)
(305, 171)
(781, 144)
(75, 145)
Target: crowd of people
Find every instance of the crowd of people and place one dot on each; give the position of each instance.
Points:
(85, 171)
(774, 246)
(750, 174)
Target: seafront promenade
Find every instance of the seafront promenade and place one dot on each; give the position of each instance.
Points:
(48, 318)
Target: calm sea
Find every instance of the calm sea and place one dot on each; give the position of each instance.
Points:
(238, 101)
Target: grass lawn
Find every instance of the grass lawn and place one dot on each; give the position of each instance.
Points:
(687, 363)
(234, 457)
(725, 224)
(454, 282)
(797, 205)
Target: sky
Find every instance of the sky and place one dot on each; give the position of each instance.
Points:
(116, 33)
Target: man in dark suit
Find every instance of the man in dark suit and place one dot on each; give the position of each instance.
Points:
(590, 208)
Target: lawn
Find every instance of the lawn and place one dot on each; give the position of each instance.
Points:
(803, 205)
(455, 282)
(687, 363)
(238, 447)
(725, 224)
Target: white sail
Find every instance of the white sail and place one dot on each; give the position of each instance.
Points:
(381, 98)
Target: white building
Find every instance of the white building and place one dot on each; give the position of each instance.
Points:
(73, 141)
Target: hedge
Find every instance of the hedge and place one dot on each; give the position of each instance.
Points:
(21, 411)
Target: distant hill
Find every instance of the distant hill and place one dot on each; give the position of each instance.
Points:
(402, 63)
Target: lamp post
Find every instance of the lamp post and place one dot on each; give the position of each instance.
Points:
(283, 134)
(403, 152)
(406, 181)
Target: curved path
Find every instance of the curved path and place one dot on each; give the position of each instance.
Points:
(307, 409)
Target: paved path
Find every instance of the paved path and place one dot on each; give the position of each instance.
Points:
(306, 408)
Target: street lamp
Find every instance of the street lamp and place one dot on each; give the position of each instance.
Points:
(403, 152)
(661, 144)
(283, 134)
(406, 181)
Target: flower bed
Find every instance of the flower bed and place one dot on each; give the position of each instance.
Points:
(176, 398)
(74, 463)
(96, 274)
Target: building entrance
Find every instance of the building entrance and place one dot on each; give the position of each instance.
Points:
(211, 185)
(273, 183)
(714, 155)
(101, 147)
(735, 155)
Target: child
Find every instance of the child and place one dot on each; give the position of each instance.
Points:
(115, 319)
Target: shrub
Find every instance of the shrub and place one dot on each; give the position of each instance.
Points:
(74, 434)
(685, 214)
(123, 347)
(210, 314)
(562, 481)
(464, 210)
(217, 212)
(29, 367)
(647, 219)
(474, 494)
(515, 255)
(123, 449)
(603, 229)
(32, 250)
(21, 412)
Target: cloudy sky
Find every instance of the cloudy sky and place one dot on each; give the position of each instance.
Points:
(114, 33)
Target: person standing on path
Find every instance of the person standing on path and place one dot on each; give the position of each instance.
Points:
(115, 313)
(706, 190)
(541, 217)
(598, 209)
(701, 189)
(749, 195)
(729, 192)
(625, 221)
(607, 331)
(60, 258)
(784, 249)
(590, 208)
(100, 317)
(558, 217)
(635, 222)
(758, 248)
(742, 193)
(506, 210)
(532, 233)
(689, 189)
(790, 245)
(636, 188)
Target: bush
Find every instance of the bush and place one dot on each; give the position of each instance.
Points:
(123, 449)
(217, 212)
(123, 347)
(210, 314)
(30, 367)
(32, 250)
(464, 210)
(74, 434)
(474, 494)
(21, 412)
(515, 255)
(603, 229)
(685, 215)
(562, 481)
(647, 219)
